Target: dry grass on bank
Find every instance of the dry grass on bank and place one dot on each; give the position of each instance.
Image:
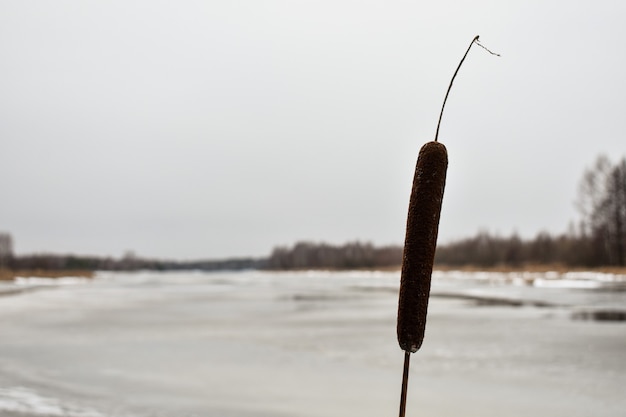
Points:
(8, 274)
(560, 268)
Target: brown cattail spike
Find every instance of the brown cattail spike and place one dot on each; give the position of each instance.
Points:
(420, 243)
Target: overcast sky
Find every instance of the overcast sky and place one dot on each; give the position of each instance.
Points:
(209, 129)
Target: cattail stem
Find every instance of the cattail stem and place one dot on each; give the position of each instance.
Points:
(405, 382)
(450, 86)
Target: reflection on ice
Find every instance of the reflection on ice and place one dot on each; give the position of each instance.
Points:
(601, 315)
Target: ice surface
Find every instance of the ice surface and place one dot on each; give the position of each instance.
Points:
(310, 344)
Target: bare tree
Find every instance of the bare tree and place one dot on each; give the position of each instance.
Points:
(6, 250)
(616, 213)
(602, 203)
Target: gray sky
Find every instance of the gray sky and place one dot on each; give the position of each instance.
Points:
(208, 129)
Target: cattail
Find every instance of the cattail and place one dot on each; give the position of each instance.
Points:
(420, 243)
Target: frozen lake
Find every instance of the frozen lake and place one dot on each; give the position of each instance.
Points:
(310, 344)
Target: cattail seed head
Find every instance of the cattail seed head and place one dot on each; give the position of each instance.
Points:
(420, 244)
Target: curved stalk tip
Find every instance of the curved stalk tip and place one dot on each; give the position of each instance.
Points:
(450, 86)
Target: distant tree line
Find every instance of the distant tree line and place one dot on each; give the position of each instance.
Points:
(487, 250)
(309, 255)
(483, 250)
(55, 262)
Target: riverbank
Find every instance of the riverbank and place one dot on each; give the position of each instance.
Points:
(9, 274)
